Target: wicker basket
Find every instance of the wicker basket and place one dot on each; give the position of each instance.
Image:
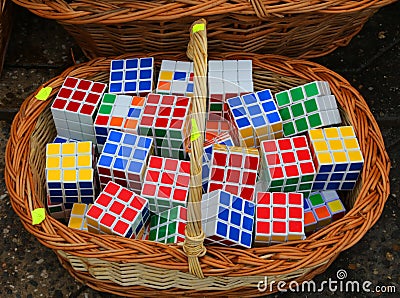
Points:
(144, 268)
(5, 28)
(303, 29)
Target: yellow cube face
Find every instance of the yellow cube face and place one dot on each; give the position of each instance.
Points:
(85, 174)
(166, 75)
(350, 144)
(84, 161)
(276, 127)
(78, 209)
(84, 147)
(53, 162)
(249, 142)
(294, 237)
(68, 148)
(262, 238)
(339, 157)
(69, 175)
(246, 132)
(278, 238)
(316, 134)
(324, 158)
(75, 223)
(355, 156)
(331, 133)
(68, 162)
(335, 145)
(335, 206)
(53, 149)
(53, 175)
(320, 146)
(347, 132)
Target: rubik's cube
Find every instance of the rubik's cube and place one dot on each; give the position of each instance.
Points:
(77, 219)
(132, 76)
(166, 183)
(279, 217)
(227, 219)
(306, 107)
(215, 128)
(234, 169)
(69, 173)
(169, 226)
(118, 112)
(74, 109)
(165, 118)
(320, 209)
(227, 79)
(123, 159)
(118, 211)
(287, 166)
(224, 139)
(256, 118)
(337, 157)
(176, 77)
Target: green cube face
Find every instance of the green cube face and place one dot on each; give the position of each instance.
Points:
(175, 154)
(297, 110)
(176, 144)
(182, 154)
(172, 228)
(160, 133)
(53, 209)
(175, 134)
(301, 124)
(311, 89)
(296, 94)
(311, 105)
(163, 202)
(171, 239)
(285, 114)
(275, 189)
(282, 98)
(173, 213)
(278, 182)
(288, 129)
(105, 109)
(165, 152)
(162, 232)
(215, 107)
(154, 221)
(153, 235)
(290, 188)
(305, 187)
(145, 131)
(162, 219)
(314, 120)
(109, 98)
(292, 181)
(307, 178)
(316, 200)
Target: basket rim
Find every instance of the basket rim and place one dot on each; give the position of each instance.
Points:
(317, 250)
(117, 12)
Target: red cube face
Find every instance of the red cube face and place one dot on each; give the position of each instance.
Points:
(156, 162)
(168, 100)
(183, 181)
(98, 87)
(249, 178)
(93, 98)
(270, 146)
(171, 164)
(292, 171)
(219, 159)
(152, 175)
(284, 144)
(107, 220)
(247, 193)
(121, 227)
(84, 85)
(276, 172)
(303, 155)
(59, 104)
(264, 198)
(102, 120)
(94, 212)
(295, 212)
(279, 227)
(87, 109)
(279, 212)
(273, 159)
(73, 106)
(164, 192)
(299, 142)
(117, 208)
(103, 200)
(129, 214)
(295, 226)
(232, 176)
(279, 198)
(112, 188)
(78, 95)
(180, 194)
(65, 93)
(235, 160)
(136, 204)
(70, 82)
(217, 174)
(288, 157)
(251, 162)
(168, 178)
(263, 212)
(149, 190)
(263, 227)
(295, 199)
(153, 98)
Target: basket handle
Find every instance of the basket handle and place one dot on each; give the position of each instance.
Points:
(194, 235)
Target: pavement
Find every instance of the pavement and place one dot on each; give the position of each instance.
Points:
(40, 49)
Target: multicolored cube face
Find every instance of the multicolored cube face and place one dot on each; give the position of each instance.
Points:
(279, 217)
(124, 159)
(118, 211)
(74, 108)
(308, 106)
(227, 219)
(256, 118)
(337, 158)
(77, 219)
(286, 165)
(166, 183)
(227, 79)
(168, 226)
(69, 173)
(234, 169)
(118, 112)
(132, 76)
(176, 78)
(224, 139)
(165, 118)
(320, 209)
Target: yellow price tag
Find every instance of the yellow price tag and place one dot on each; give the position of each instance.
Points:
(44, 93)
(195, 131)
(198, 27)
(38, 215)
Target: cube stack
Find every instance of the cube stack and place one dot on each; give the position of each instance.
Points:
(118, 211)
(320, 209)
(256, 118)
(234, 169)
(227, 79)
(176, 77)
(165, 118)
(227, 219)
(307, 106)
(169, 226)
(69, 173)
(132, 76)
(124, 159)
(118, 112)
(74, 108)
(279, 217)
(78, 217)
(166, 183)
(337, 158)
(287, 166)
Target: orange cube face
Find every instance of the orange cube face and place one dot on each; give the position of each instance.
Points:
(116, 121)
(131, 124)
(164, 86)
(138, 101)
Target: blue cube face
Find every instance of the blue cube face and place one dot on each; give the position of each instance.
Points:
(222, 229)
(138, 227)
(205, 172)
(189, 88)
(144, 86)
(130, 87)
(341, 167)
(325, 168)
(237, 203)
(208, 150)
(134, 112)
(87, 200)
(356, 166)
(53, 185)
(85, 184)
(60, 140)
(254, 110)
(352, 176)
(348, 185)
(145, 74)
(55, 192)
(87, 192)
(223, 213)
(249, 98)
(234, 102)
(227, 143)
(110, 148)
(130, 139)
(239, 112)
(234, 233)
(337, 176)
(105, 161)
(56, 200)
(180, 75)
(225, 198)
(68, 205)
(114, 136)
(269, 106)
(246, 239)
(333, 185)
(139, 154)
(115, 87)
(247, 223)
(318, 186)
(71, 199)
(120, 164)
(322, 177)
(146, 62)
(71, 192)
(258, 121)
(236, 218)
(249, 208)
(132, 63)
(135, 167)
(243, 122)
(131, 75)
(101, 140)
(264, 95)
(273, 117)
(124, 151)
(117, 64)
(306, 205)
(145, 142)
(117, 76)
(70, 186)
(129, 233)
(101, 131)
